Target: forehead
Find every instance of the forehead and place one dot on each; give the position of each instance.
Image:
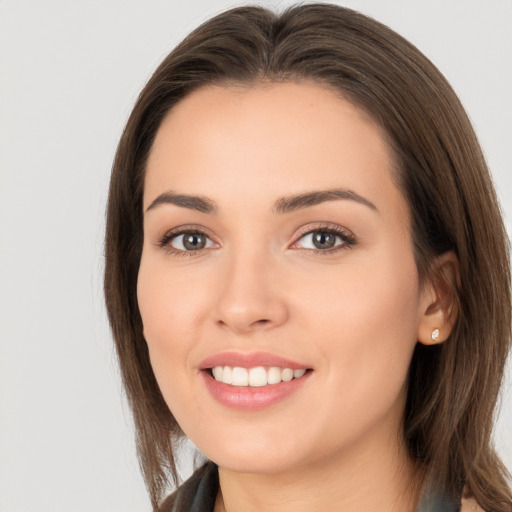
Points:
(267, 141)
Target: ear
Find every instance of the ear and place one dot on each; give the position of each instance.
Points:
(438, 301)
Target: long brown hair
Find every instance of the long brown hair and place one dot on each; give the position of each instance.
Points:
(453, 387)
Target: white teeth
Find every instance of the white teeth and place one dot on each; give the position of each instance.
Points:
(240, 377)
(255, 377)
(217, 373)
(287, 374)
(227, 375)
(274, 375)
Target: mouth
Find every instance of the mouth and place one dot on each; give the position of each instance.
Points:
(255, 377)
(253, 381)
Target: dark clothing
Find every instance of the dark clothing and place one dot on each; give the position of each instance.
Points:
(199, 492)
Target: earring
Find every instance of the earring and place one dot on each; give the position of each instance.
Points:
(435, 334)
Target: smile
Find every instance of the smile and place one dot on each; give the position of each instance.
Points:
(253, 381)
(255, 377)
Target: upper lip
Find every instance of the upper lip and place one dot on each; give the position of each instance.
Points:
(250, 360)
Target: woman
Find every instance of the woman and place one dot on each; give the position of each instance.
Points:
(307, 272)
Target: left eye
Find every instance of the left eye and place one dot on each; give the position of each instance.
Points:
(190, 242)
(321, 240)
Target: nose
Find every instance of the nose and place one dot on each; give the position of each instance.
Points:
(250, 296)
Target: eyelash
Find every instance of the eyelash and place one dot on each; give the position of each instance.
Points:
(347, 237)
(164, 242)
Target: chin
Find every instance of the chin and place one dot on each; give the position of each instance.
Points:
(262, 455)
(254, 464)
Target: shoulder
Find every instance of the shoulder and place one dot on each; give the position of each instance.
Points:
(198, 493)
(470, 505)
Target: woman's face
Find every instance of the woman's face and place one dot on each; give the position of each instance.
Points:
(276, 243)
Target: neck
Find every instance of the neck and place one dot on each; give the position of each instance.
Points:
(381, 477)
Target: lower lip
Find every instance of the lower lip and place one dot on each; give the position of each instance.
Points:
(252, 398)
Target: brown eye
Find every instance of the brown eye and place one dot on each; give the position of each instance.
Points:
(190, 242)
(323, 239)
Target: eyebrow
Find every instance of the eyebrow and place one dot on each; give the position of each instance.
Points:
(285, 204)
(297, 202)
(201, 204)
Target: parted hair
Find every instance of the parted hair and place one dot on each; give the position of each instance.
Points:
(453, 388)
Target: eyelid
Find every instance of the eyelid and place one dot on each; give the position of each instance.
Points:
(164, 240)
(344, 233)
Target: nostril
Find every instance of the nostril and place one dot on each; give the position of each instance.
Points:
(263, 321)
(249, 326)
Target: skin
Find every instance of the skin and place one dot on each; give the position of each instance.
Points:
(353, 315)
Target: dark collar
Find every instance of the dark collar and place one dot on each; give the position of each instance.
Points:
(197, 494)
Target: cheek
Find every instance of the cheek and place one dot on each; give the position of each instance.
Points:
(172, 305)
(168, 303)
(367, 321)
(165, 317)
(365, 292)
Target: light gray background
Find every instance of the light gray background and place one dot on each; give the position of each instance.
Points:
(70, 72)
